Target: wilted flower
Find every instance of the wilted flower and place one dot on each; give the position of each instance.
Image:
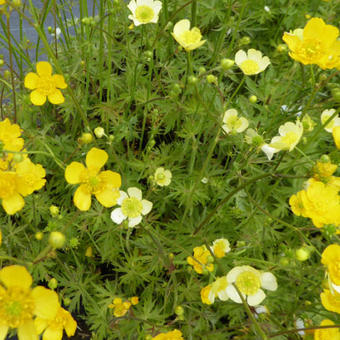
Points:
(251, 62)
(144, 11)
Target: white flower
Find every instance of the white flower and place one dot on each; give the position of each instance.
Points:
(249, 282)
(162, 177)
(232, 123)
(266, 8)
(144, 11)
(57, 33)
(300, 324)
(251, 62)
(325, 115)
(132, 207)
(220, 247)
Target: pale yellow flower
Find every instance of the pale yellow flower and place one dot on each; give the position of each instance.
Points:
(290, 135)
(251, 62)
(162, 177)
(325, 115)
(144, 11)
(233, 123)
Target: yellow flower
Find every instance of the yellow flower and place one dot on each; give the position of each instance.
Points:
(173, 335)
(188, 39)
(134, 300)
(162, 177)
(336, 136)
(331, 259)
(331, 301)
(325, 115)
(217, 289)
(323, 170)
(327, 333)
(53, 328)
(103, 184)
(144, 11)
(19, 304)
(251, 62)
(220, 247)
(232, 123)
(249, 282)
(290, 135)
(45, 85)
(120, 307)
(315, 44)
(201, 260)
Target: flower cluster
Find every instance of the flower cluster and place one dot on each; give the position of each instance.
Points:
(30, 311)
(120, 307)
(19, 176)
(316, 44)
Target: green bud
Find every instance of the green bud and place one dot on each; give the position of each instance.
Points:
(244, 41)
(99, 132)
(325, 159)
(67, 301)
(53, 284)
(18, 157)
(7, 74)
(302, 254)
(201, 70)
(227, 64)
(253, 99)
(148, 54)
(308, 123)
(56, 239)
(281, 48)
(54, 210)
(2, 62)
(49, 29)
(211, 79)
(74, 242)
(39, 235)
(284, 261)
(179, 310)
(192, 80)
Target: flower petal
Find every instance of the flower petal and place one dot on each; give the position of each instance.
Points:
(233, 294)
(40, 324)
(132, 6)
(107, 197)
(122, 197)
(117, 216)
(268, 281)
(31, 80)
(37, 98)
(16, 276)
(147, 206)
(46, 302)
(44, 68)
(235, 272)
(3, 332)
(56, 97)
(82, 198)
(59, 81)
(181, 26)
(13, 203)
(112, 179)
(96, 158)
(240, 57)
(256, 299)
(135, 192)
(73, 172)
(134, 221)
(53, 333)
(27, 331)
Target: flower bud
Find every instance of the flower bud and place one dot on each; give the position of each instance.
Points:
(308, 123)
(226, 64)
(253, 99)
(39, 235)
(89, 252)
(284, 261)
(202, 70)
(49, 29)
(281, 48)
(192, 80)
(54, 210)
(302, 254)
(74, 242)
(67, 301)
(244, 41)
(99, 132)
(7, 74)
(211, 79)
(56, 239)
(179, 310)
(18, 157)
(2, 62)
(53, 284)
(85, 138)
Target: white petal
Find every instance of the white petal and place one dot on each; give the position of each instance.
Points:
(134, 221)
(269, 151)
(157, 6)
(233, 294)
(268, 281)
(135, 192)
(132, 6)
(235, 272)
(181, 26)
(147, 206)
(223, 295)
(240, 57)
(256, 299)
(254, 55)
(335, 287)
(117, 216)
(122, 197)
(244, 124)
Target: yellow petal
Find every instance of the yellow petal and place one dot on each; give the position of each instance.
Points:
(16, 276)
(53, 333)
(59, 81)
(27, 331)
(37, 98)
(40, 324)
(111, 178)
(3, 332)
(56, 97)
(336, 136)
(107, 197)
(31, 80)
(70, 325)
(291, 40)
(82, 198)
(96, 158)
(73, 172)
(13, 203)
(44, 68)
(46, 302)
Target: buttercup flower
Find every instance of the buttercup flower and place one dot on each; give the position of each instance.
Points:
(103, 184)
(232, 123)
(323, 170)
(251, 62)
(336, 136)
(133, 207)
(188, 39)
(162, 177)
(331, 259)
(120, 307)
(331, 300)
(325, 115)
(53, 329)
(19, 304)
(144, 11)
(327, 333)
(220, 247)
(45, 85)
(173, 335)
(201, 260)
(315, 44)
(249, 282)
(216, 289)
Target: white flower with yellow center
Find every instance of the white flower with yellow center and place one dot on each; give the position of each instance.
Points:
(290, 135)
(132, 207)
(249, 282)
(251, 62)
(325, 115)
(162, 177)
(220, 247)
(216, 289)
(233, 123)
(144, 11)
(188, 39)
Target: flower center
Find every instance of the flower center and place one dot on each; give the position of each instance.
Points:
(16, 307)
(233, 122)
(132, 207)
(248, 283)
(7, 184)
(46, 85)
(250, 67)
(144, 14)
(190, 37)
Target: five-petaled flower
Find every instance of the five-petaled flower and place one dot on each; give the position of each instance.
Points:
(232, 123)
(44, 84)
(251, 62)
(103, 184)
(144, 11)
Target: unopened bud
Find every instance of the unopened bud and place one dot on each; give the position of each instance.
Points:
(202, 70)
(192, 80)
(54, 210)
(67, 301)
(85, 138)
(99, 132)
(244, 41)
(253, 99)
(281, 48)
(2, 62)
(18, 157)
(226, 64)
(53, 284)
(39, 235)
(211, 79)
(89, 252)
(179, 310)
(56, 239)
(302, 254)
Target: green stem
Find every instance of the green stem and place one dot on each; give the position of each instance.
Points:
(194, 13)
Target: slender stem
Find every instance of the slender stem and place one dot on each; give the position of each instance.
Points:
(194, 13)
